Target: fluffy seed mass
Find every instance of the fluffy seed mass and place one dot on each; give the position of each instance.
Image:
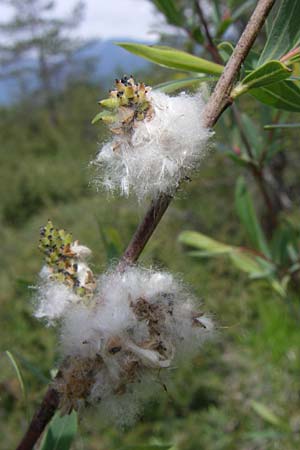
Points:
(120, 342)
(150, 154)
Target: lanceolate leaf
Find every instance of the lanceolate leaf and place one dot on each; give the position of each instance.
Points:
(225, 49)
(183, 83)
(269, 73)
(281, 125)
(244, 259)
(265, 413)
(18, 373)
(283, 95)
(199, 240)
(254, 266)
(61, 432)
(245, 209)
(285, 32)
(172, 58)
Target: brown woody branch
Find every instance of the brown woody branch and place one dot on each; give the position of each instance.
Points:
(40, 419)
(272, 202)
(218, 102)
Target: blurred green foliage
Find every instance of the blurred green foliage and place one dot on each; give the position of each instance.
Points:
(243, 390)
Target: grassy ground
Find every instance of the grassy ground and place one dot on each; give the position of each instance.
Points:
(255, 355)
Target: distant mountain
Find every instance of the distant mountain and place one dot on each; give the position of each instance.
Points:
(97, 60)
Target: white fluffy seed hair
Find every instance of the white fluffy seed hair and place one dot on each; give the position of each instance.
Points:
(53, 298)
(90, 331)
(161, 150)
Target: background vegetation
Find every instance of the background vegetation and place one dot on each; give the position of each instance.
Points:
(243, 391)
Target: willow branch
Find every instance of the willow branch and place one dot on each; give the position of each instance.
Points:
(257, 173)
(40, 419)
(218, 102)
(220, 98)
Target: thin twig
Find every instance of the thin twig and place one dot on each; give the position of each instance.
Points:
(257, 173)
(217, 103)
(210, 45)
(145, 230)
(40, 419)
(220, 98)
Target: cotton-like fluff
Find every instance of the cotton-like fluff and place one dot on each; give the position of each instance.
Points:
(151, 154)
(121, 334)
(52, 300)
(122, 348)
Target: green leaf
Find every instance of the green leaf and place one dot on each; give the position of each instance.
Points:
(199, 240)
(248, 262)
(225, 49)
(172, 58)
(183, 83)
(245, 263)
(60, 433)
(242, 258)
(285, 32)
(269, 73)
(170, 11)
(18, 373)
(251, 61)
(281, 125)
(246, 211)
(265, 413)
(283, 95)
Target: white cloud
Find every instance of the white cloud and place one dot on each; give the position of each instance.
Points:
(115, 18)
(108, 19)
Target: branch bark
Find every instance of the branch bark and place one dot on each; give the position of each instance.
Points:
(40, 419)
(220, 98)
(218, 102)
(273, 202)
